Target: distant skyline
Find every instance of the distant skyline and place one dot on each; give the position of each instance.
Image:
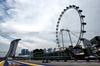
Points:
(33, 21)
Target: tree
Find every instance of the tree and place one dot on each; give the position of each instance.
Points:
(38, 52)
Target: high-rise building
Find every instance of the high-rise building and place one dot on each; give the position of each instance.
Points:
(54, 49)
(31, 53)
(12, 49)
(50, 50)
(24, 52)
(27, 52)
(44, 50)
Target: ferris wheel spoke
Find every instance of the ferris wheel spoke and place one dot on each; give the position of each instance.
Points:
(72, 21)
(74, 34)
(74, 26)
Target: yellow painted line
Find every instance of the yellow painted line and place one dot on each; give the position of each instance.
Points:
(2, 63)
(27, 63)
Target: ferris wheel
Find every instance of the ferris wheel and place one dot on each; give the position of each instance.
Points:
(68, 29)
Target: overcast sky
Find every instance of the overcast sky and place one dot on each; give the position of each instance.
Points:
(33, 21)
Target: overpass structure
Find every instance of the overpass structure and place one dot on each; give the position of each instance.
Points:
(12, 49)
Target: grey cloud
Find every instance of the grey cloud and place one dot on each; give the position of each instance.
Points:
(42, 15)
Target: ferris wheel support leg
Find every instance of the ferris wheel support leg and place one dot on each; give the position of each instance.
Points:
(70, 38)
(62, 40)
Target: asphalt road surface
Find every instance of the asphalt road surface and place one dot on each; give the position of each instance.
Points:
(69, 63)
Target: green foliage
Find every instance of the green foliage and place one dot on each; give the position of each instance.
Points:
(38, 52)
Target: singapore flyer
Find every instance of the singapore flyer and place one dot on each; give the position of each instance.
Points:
(70, 27)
